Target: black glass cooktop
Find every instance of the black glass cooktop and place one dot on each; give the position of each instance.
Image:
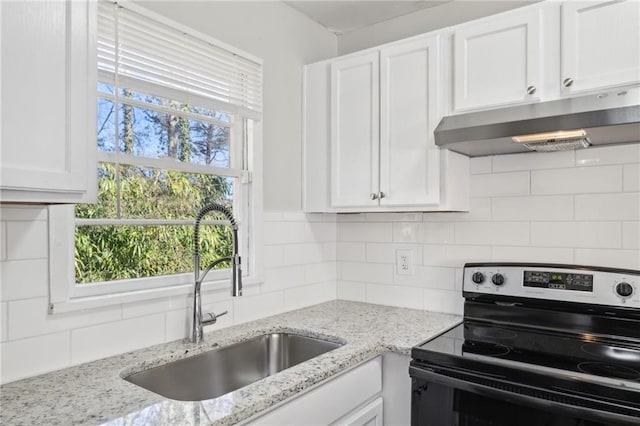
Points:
(583, 356)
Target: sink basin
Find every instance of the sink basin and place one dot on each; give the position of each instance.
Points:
(222, 370)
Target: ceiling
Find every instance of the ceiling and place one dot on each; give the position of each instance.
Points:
(341, 17)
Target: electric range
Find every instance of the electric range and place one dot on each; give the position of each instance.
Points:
(540, 344)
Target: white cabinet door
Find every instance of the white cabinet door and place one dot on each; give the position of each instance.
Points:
(369, 415)
(409, 111)
(600, 44)
(48, 111)
(354, 130)
(497, 61)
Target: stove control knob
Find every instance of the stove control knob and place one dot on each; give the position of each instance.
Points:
(477, 277)
(624, 289)
(497, 279)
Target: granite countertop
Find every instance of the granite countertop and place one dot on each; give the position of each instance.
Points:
(95, 393)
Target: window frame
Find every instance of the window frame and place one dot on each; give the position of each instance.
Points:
(66, 295)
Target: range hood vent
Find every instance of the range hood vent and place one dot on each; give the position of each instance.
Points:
(565, 124)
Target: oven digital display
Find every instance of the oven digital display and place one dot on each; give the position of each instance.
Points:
(558, 280)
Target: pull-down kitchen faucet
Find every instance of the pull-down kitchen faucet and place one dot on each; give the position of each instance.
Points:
(236, 270)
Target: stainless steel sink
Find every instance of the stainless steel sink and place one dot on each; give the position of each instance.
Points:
(222, 370)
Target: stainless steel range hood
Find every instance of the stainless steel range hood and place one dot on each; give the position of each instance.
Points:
(605, 118)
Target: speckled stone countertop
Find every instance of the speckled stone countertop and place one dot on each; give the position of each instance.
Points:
(95, 393)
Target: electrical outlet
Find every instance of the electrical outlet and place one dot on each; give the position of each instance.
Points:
(404, 262)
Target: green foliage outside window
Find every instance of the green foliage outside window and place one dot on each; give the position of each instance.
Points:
(116, 252)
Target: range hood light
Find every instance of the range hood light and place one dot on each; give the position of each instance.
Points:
(562, 140)
(551, 136)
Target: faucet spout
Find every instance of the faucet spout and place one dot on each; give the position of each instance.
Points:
(236, 269)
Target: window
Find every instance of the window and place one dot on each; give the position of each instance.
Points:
(178, 115)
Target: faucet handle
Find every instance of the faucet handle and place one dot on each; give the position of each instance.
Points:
(211, 318)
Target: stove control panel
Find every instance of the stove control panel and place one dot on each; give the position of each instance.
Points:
(601, 286)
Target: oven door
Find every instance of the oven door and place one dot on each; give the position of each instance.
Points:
(448, 397)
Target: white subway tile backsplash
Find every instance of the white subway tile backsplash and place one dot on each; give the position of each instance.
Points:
(366, 272)
(454, 255)
(273, 256)
(3, 241)
(533, 161)
(576, 234)
(30, 317)
(619, 154)
(439, 277)
(500, 184)
(394, 295)
(100, 341)
(624, 206)
(177, 324)
(284, 232)
(447, 301)
(631, 178)
(498, 233)
(437, 233)
(27, 240)
(249, 308)
(551, 207)
(480, 209)
(404, 232)
(4, 322)
(386, 253)
(365, 232)
(299, 254)
(23, 213)
(532, 254)
(23, 279)
(579, 180)
(428, 277)
(627, 259)
(631, 235)
(320, 272)
(320, 231)
(33, 356)
(348, 290)
(479, 165)
(280, 278)
(329, 251)
(300, 297)
(154, 306)
(351, 252)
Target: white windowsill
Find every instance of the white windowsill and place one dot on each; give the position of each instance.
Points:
(92, 302)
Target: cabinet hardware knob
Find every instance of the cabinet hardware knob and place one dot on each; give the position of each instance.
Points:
(531, 90)
(567, 82)
(373, 196)
(381, 195)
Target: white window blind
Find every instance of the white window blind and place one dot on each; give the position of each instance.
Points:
(149, 55)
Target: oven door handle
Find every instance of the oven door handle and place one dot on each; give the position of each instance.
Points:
(431, 376)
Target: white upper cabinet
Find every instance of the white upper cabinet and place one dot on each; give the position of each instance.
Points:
(409, 112)
(48, 101)
(600, 44)
(381, 107)
(497, 60)
(354, 130)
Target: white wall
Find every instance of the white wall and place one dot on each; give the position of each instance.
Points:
(286, 40)
(579, 207)
(423, 21)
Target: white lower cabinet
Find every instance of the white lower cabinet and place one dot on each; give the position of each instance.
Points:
(345, 400)
(369, 415)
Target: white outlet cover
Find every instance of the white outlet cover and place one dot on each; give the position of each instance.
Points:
(404, 262)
